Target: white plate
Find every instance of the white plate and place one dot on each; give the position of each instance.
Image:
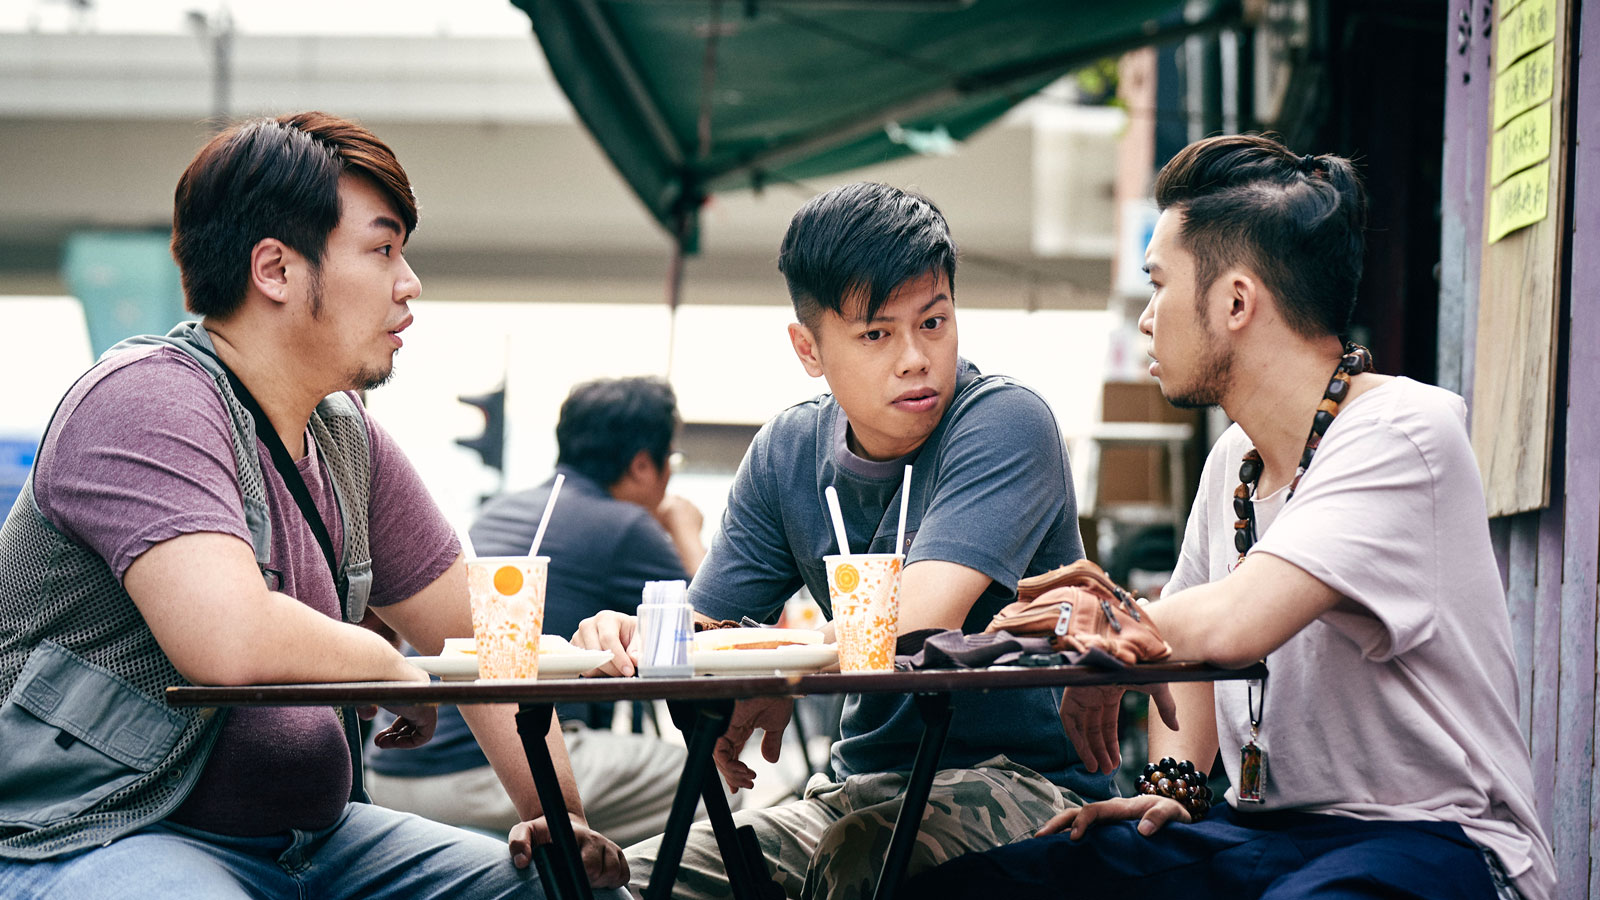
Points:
(462, 667)
(794, 658)
(730, 638)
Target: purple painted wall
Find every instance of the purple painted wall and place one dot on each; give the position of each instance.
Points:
(1547, 558)
(1582, 525)
(1466, 117)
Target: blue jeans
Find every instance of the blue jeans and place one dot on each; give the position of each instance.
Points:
(1228, 856)
(371, 852)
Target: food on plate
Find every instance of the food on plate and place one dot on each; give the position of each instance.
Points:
(754, 638)
(548, 643)
(453, 646)
(555, 643)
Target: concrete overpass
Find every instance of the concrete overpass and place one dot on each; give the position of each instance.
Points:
(518, 202)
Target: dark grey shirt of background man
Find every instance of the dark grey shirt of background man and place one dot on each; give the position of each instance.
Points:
(613, 528)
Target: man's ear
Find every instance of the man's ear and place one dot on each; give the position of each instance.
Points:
(641, 467)
(1244, 298)
(636, 480)
(807, 348)
(270, 259)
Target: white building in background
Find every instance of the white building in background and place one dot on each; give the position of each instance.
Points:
(538, 265)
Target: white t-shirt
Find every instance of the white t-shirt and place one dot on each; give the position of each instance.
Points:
(1400, 703)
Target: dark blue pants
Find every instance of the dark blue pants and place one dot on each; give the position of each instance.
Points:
(1227, 856)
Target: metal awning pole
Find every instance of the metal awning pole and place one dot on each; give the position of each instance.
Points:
(675, 286)
(688, 196)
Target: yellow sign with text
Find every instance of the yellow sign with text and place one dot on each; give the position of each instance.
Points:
(1525, 85)
(1507, 6)
(1533, 23)
(1524, 141)
(1523, 200)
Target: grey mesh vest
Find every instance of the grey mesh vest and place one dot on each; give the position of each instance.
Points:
(89, 748)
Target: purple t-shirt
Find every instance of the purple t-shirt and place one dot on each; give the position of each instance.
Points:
(140, 452)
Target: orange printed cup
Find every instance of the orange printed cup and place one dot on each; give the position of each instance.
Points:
(507, 595)
(865, 591)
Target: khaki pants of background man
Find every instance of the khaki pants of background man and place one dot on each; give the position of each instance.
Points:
(832, 843)
(626, 781)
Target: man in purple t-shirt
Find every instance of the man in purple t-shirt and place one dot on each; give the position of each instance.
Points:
(153, 540)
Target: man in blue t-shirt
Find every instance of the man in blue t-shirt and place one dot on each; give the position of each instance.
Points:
(615, 528)
(871, 272)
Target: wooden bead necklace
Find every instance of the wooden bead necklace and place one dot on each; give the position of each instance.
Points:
(1356, 359)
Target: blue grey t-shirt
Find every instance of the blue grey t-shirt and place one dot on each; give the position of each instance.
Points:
(602, 550)
(990, 490)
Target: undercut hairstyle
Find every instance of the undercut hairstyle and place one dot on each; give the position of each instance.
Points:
(1297, 222)
(862, 239)
(277, 178)
(605, 423)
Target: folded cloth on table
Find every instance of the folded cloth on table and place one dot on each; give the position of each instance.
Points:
(947, 648)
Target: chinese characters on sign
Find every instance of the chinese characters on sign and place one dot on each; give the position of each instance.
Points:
(1523, 142)
(1523, 117)
(1531, 25)
(1524, 85)
(1523, 200)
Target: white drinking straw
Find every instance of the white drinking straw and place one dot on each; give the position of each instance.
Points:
(544, 520)
(838, 519)
(467, 550)
(905, 497)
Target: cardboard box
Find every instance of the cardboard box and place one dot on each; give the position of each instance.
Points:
(1139, 475)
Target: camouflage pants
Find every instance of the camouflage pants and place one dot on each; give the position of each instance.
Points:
(832, 843)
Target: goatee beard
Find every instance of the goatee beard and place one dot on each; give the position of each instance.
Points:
(1207, 390)
(371, 379)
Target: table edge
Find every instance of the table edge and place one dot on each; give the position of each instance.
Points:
(928, 681)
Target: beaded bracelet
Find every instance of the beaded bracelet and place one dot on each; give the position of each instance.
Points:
(1180, 781)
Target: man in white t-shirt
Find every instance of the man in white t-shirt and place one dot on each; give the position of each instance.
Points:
(1340, 534)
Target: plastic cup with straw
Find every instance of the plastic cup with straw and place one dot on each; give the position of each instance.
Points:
(864, 589)
(507, 594)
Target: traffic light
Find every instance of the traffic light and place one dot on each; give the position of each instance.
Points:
(491, 445)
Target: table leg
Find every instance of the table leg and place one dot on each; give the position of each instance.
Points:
(748, 875)
(568, 881)
(935, 710)
(701, 723)
(541, 864)
(805, 749)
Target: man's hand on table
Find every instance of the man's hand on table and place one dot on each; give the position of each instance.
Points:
(1151, 811)
(603, 861)
(615, 632)
(1089, 716)
(413, 725)
(771, 714)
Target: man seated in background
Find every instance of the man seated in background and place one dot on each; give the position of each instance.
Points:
(871, 272)
(1340, 533)
(613, 528)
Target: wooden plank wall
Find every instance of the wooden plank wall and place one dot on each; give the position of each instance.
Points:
(1515, 391)
(1547, 558)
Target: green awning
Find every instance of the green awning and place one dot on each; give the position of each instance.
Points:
(690, 97)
